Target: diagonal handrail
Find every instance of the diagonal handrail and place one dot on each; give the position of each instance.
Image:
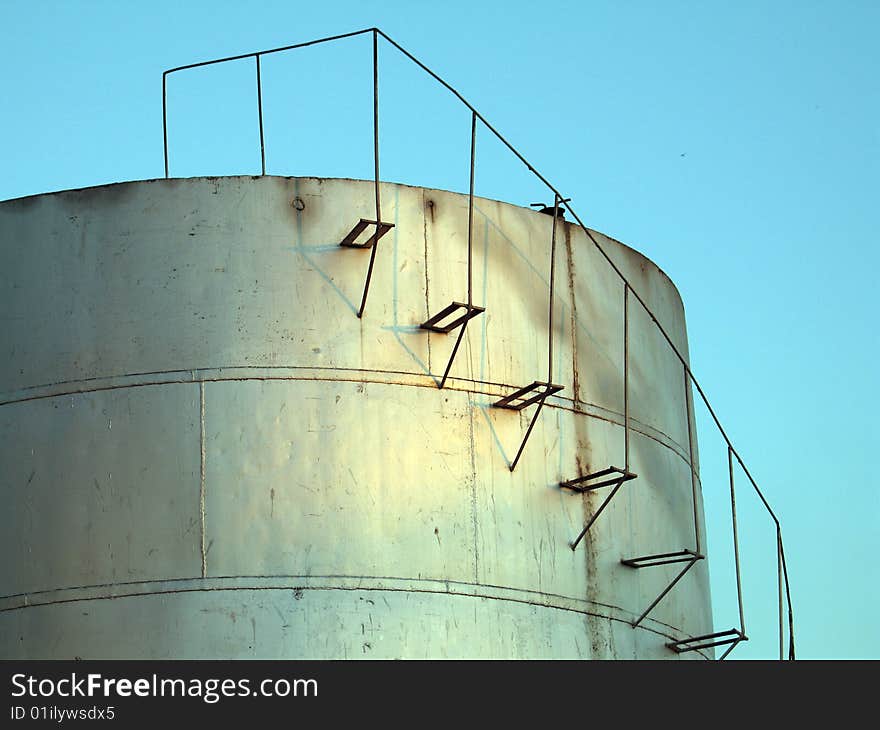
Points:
(784, 586)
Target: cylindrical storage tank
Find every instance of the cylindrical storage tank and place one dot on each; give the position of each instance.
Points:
(206, 453)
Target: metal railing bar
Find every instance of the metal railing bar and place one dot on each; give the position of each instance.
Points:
(260, 112)
(729, 649)
(791, 651)
(573, 545)
(454, 353)
(522, 446)
(470, 273)
(556, 202)
(255, 54)
(739, 596)
(625, 374)
(687, 411)
(165, 121)
(273, 50)
(666, 590)
(376, 126)
(375, 246)
(779, 586)
(470, 106)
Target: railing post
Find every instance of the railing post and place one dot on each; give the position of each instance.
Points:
(165, 121)
(376, 123)
(626, 375)
(260, 112)
(779, 582)
(360, 312)
(739, 597)
(470, 252)
(552, 289)
(470, 284)
(687, 412)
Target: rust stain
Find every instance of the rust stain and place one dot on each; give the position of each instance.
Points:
(576, 386)
(595, 625)
(427, 283)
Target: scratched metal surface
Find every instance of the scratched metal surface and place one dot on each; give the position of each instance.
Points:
(204, 452)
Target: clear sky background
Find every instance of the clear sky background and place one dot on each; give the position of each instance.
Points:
(737, 145)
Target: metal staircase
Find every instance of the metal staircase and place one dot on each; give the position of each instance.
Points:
(366, 234)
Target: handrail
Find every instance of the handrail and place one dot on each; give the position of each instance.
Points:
(783, 581)
(256, 55)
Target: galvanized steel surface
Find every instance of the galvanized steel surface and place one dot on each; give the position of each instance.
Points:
(205, 453)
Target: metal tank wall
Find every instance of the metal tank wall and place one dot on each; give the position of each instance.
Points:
(205, 453)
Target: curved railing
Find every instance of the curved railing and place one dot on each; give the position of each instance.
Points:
(786, 616)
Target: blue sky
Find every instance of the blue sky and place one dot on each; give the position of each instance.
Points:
(735, 144)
